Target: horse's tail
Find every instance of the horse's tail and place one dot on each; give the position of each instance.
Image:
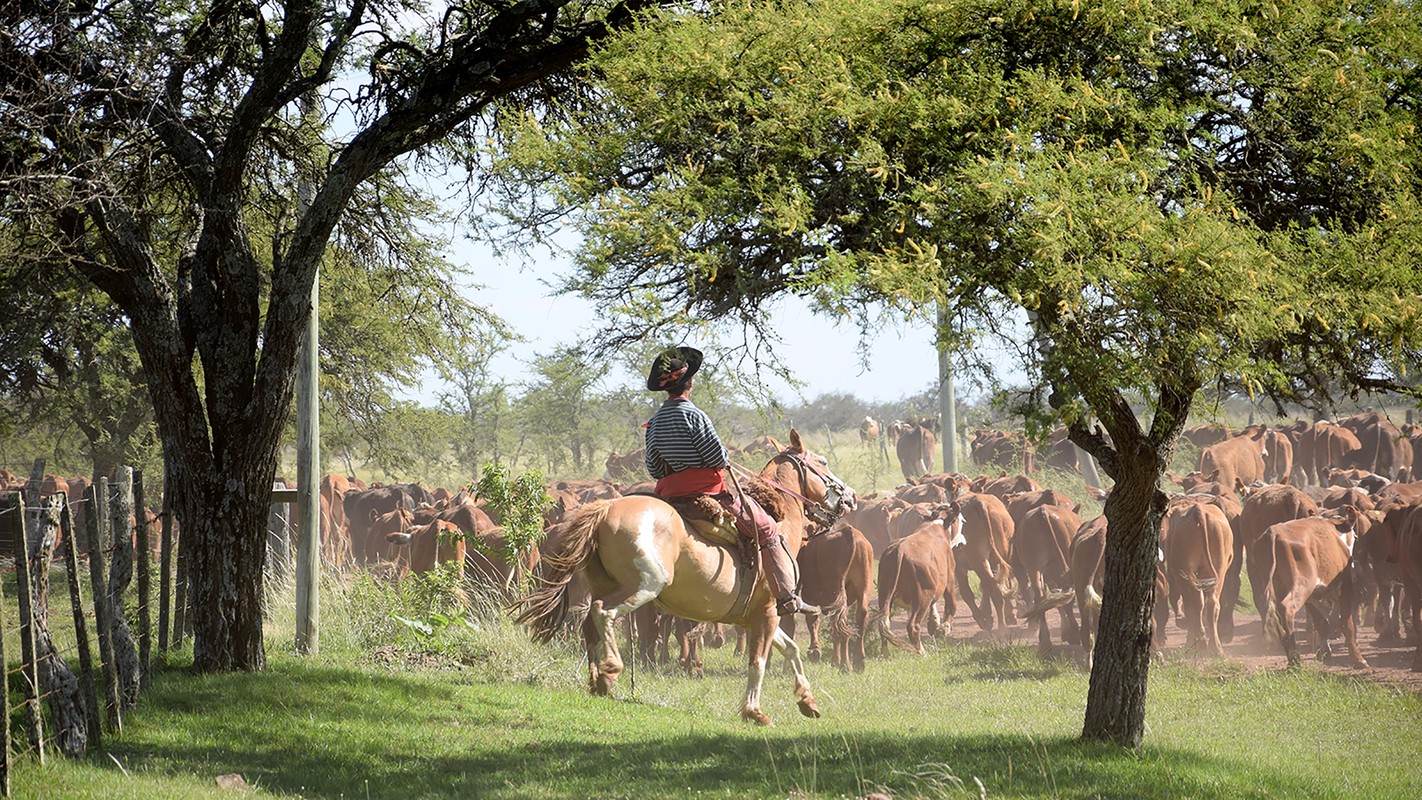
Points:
(545, 609)
(888, 587)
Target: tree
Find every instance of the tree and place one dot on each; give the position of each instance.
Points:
(558, 408)
(104, 104)
(1142, 201)
(66, 358)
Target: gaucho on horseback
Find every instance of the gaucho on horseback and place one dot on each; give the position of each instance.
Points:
(638, 549)
(687, 459)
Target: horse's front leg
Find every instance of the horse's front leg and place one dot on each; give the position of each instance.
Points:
(791, 651)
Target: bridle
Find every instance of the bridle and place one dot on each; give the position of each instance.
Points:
(838, 500)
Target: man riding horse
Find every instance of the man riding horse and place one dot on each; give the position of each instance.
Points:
(687, 458)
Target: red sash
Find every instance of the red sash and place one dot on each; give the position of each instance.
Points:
(695, 480)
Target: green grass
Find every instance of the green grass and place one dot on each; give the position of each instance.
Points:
(469, 707)
(507, 718)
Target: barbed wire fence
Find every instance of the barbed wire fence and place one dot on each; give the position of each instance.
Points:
(61, 708)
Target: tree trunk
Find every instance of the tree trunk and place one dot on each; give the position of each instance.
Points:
(1115, 703)
(125, 652)
(1135, 459)
(225, 542)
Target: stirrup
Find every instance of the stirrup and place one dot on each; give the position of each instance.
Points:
(794, 605)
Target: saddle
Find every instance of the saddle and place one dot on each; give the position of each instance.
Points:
(706, 517)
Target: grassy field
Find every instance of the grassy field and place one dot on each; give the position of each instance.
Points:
(469, 707)
(417, 696)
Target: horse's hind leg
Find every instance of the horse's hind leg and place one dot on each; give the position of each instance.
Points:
(600, 631)
(804, 698)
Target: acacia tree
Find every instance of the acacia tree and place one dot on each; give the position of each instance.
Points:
(104, 105)
(1142, 200)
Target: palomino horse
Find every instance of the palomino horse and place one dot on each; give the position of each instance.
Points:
(635, 549)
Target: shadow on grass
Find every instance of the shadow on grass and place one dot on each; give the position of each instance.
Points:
(330, 732)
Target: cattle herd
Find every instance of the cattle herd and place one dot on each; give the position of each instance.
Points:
(1322, 518)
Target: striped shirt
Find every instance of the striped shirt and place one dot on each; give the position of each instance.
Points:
(680, 436)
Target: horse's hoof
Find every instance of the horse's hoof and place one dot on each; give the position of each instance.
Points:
(602, 684)
(814, 655)
(757, 716)
(809, 708)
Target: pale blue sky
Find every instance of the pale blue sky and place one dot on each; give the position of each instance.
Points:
(825, 356)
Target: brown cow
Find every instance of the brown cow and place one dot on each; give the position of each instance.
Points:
(438, 542)
(1002, 449)
(1379, 575)
(1019, 503)
(629, 467)
(1241, 457)
(987, 531)
(914, 572)
(1203, 436)
(910, 517)
(868, 430)
(1040, 542)
(1199, 547)
(872, 518)
(360, 508)
(1402, 529)
(1004, 485)
(1339, 496)
(335, 532)
(1303, 561)
(492, 565)
(915, 450)
(836, 572)
(1383, 449)
(1059, 452)
(1333, 446)
(923, 492)
(379, 549)
(1263, 507)
(1278, 456)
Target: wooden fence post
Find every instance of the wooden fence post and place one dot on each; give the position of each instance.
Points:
(81, 628)
(165, 566)
(125, 649)
(9, 512)
(29, 661)
(180, 591)
(145, 621)
(101, 601)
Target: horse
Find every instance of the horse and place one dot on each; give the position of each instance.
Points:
(635, 550)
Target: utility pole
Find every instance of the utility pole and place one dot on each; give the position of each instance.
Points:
(947, 401)
(308, 445)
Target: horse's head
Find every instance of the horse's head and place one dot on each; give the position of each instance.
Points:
(826, 497)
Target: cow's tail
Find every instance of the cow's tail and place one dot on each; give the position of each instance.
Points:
(1203, 583)
(1273, 625)
(545, 609)
(1046, 603)
(888, 587)
(836, 619)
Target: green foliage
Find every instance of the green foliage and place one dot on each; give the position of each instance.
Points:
(518, 503)
(1148, 197)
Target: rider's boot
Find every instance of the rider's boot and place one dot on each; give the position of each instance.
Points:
(780, 574)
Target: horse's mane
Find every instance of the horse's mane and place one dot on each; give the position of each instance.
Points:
(766, 496)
